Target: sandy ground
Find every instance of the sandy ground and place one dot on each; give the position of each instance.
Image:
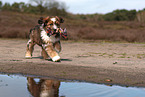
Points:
(108, 63)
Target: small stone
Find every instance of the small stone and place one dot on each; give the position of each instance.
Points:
(108, 80)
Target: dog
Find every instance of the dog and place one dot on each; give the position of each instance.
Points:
(47, 36)
(43, 87)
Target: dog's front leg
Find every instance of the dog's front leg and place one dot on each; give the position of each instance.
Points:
(30, 48)
(52, 53)
(57, 46)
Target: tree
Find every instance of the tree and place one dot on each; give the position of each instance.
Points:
(6, 7)
(31, 9)
(1, 5)
(56, 8)
(40, 5)
(141, 16)
(120, 15)
(132, 15)
(15, 7)
(51, 7)
(22, 6)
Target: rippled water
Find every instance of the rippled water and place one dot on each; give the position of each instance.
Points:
(20, 86)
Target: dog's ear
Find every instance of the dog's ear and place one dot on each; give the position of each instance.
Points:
(61, 20)
(46, 19)
(40, 21)
(43, 20)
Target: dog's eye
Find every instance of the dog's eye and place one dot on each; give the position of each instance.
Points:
(50, 23)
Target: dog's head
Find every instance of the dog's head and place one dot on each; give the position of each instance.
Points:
(52, 23)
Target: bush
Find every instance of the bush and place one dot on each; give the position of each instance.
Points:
(120, 15)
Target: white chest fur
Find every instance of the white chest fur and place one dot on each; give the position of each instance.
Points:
(47, 39)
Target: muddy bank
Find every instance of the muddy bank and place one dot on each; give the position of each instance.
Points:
(112, 63)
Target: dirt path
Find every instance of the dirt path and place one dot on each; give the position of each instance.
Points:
(110, 63)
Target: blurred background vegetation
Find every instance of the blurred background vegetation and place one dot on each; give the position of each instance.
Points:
(120, 25)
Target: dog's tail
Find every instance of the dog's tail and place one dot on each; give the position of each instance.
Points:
(31, 30)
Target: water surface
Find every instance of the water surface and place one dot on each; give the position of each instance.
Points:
(20, 86)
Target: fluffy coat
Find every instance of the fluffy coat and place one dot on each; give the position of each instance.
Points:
(49, 42)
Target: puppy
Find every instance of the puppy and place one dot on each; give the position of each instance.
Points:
(43, 88)
(47, 36)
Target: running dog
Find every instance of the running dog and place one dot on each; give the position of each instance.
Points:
(47, 36)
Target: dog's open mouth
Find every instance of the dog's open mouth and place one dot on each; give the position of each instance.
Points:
(52, 31)
(62, 32)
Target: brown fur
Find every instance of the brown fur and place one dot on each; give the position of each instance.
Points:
(48, 86)
(51, 47)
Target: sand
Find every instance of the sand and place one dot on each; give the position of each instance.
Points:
(98, 62)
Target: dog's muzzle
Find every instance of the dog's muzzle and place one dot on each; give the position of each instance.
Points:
(52, 31)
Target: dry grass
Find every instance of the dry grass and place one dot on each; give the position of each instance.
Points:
(112, 31)
(17, 25)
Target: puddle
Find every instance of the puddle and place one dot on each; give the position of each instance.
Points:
(22, 86)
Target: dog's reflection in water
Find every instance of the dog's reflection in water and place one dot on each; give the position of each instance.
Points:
(43, 87)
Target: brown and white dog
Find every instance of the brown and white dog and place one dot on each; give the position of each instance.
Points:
(46, 35)
(43, 87)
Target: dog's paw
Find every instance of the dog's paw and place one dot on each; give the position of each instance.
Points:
(56, 59)
(28, 55)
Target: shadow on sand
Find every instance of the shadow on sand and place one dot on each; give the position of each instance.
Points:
(40, 57)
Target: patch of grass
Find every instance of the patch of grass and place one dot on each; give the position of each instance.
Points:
(110, 55)
(63, 72)
(140, 56)
(123, 55)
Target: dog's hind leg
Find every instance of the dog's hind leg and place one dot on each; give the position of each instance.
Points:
(52, 52)
(30, 48)
(57, 46)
